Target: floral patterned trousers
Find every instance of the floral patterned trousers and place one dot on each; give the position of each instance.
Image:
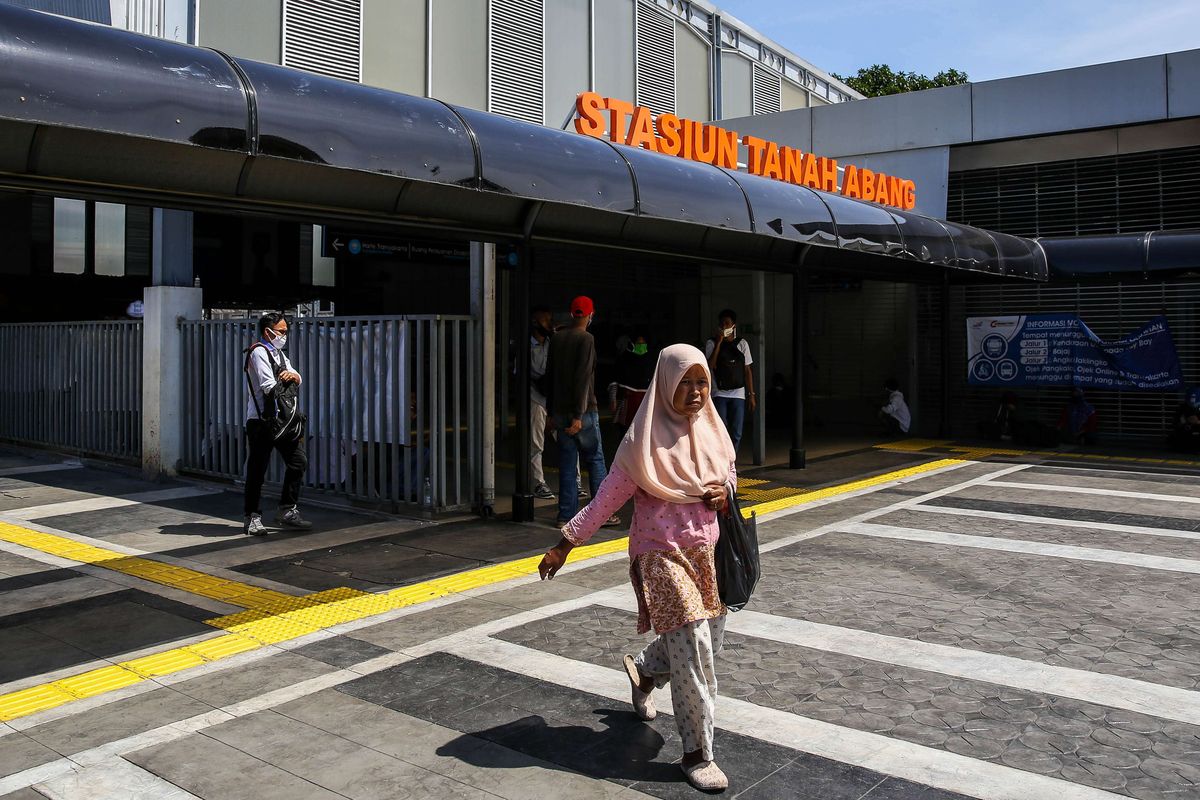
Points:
(684, 658)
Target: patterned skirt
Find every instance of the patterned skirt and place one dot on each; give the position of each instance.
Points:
(675, 587)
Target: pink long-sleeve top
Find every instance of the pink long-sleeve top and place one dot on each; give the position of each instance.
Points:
(657, 524)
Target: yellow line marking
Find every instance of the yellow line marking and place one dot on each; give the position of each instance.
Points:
(273, 617)
(189, 580)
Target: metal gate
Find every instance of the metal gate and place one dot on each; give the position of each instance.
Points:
(76, 386)
(391, 402)
(1111, 310)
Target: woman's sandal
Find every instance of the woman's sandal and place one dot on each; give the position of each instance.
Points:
(706, 776)
(643, 703)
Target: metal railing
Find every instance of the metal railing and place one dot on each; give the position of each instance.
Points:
(73, 385)
(391, 403)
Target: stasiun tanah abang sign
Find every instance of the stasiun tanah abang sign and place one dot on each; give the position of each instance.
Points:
(625, 123)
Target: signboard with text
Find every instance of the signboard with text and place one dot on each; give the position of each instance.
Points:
(1060, 350)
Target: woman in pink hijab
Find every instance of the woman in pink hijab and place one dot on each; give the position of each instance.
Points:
(677, 463)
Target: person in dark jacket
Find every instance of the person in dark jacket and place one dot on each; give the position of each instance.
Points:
(635, 370)
(572, 384)
(729, 359)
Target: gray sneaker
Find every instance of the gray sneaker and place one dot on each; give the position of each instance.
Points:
(542, 492)
(583, 494)
(255, 527)
(290, 518)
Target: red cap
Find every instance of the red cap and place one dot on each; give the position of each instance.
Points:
(582, 306)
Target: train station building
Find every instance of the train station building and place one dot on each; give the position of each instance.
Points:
(412, 196)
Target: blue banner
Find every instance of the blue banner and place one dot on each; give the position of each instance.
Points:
(1060, 350)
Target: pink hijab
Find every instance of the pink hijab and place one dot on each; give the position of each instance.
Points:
(669, 455)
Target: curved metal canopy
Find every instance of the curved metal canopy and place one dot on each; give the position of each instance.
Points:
(100, 107)
(1157, 253)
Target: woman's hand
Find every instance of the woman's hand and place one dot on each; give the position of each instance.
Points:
(714, 497)
(554, 559)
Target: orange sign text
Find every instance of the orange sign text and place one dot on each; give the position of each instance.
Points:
(624, 123)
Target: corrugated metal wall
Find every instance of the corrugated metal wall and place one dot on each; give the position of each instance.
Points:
(858, 336)
(1111, 310)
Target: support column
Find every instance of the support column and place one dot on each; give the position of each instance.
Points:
(944, 416)
(163, 375)
(796, 456)
(760, 369)
(171, 249)
(483, 308)
(523, 494)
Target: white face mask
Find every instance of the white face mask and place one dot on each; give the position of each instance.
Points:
(729, 332)
(278, 340)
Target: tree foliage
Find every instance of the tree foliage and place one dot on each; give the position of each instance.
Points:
(880, 79)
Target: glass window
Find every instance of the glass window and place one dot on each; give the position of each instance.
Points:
(70, 236)
(110, 239)
(323, 272)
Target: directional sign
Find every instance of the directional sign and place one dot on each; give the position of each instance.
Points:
(342, 243)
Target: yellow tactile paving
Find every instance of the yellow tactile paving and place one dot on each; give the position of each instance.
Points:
(189, 580)
(272, 617)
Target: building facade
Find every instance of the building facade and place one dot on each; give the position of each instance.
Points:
(1096, 151)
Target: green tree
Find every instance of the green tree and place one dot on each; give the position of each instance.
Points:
(880, 79)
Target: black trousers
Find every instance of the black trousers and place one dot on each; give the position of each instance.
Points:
(259, 444)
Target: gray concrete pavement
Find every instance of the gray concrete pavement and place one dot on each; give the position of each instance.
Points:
(1004, 628)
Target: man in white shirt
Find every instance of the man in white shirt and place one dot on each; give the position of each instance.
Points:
(729, 359)
(539, 354)
(895, 415)
(273, 422)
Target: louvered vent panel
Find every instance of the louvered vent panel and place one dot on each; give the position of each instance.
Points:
(1126, 193)
(655, 60)
(324, 36)
(1111, 310)
(766, 97)
(516, 82)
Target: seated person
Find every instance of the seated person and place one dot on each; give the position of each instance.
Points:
(1185, 423)
(1006, 425)
(1078, 422)
(895, 415)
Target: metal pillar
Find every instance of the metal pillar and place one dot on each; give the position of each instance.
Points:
(522, 501)
(944, 416)
(796, 456)
(760, 371)
(483, 308)
(171, 248)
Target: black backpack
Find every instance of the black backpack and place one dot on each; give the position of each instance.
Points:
(730, 372)
(281, 405)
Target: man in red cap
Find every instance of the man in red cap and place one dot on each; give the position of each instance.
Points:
(572, 370)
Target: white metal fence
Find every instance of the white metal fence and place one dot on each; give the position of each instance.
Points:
(73, 385)
(391, 403)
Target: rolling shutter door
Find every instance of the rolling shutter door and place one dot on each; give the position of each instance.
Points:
(1111, 310)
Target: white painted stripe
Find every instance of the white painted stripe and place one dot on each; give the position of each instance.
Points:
(28, 777)
(1099, 688)
(104, 503)
(938, 768)
(1065, 523)
(1114, 691)
(1169, 472)
(787, 512)
(1019, 546)
(1170, 498)
(35, 469)
(910, 502)
(114, 777)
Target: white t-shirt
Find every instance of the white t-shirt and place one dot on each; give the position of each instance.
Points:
(744, 348)
(898, 409)
(262, 377)
(539, 357)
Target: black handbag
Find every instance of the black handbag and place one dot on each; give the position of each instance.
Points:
(738, 566)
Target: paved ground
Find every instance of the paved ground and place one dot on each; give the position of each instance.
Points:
(932, 624)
